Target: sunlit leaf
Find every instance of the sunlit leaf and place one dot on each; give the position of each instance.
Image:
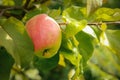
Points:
(89, 30)
(97, 31)
(74, 12)
(8, 2)
(106, 14)
(54, 13)
(103, 26)
(74, 27)
(61, 60)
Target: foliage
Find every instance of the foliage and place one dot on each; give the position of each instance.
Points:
(89, 50)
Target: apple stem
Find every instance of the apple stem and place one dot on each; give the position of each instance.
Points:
(45, 52)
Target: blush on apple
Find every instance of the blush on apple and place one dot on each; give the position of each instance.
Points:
(45, 34)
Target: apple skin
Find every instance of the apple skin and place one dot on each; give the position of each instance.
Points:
(45, 34)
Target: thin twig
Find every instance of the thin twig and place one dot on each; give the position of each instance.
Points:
(10, 7)
(2, 12)
(96, 23)
(106, 22)
(3, 9)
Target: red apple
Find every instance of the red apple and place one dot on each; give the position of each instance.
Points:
(45, 34)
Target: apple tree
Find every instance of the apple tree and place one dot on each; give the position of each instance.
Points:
(59, 40)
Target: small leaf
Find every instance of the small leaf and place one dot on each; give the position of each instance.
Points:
(6, 63)
(71, 57)
(19, 44)
(116, 14)
(54, 13)
(61, 60)
(103, 26)
(97, 31)
(92, 5)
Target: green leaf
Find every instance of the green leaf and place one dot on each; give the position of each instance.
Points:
(15, 39)
(74, 12)
(8, 2)
(71, 56)
(69, 50)
(106, 14)
(6, 41)
(105, 58)
(66, 3)
(66, 43)
(75, 18)
(116, 14)
(74, 27)
(92, 5)
(6, 63)
(2, 20)
(85, 45)
(46, 64)
(97, 31)
(55, 13)
(16, 12)
(98, 73)
(114, 40)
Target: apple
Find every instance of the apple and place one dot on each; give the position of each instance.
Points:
(45, 34)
